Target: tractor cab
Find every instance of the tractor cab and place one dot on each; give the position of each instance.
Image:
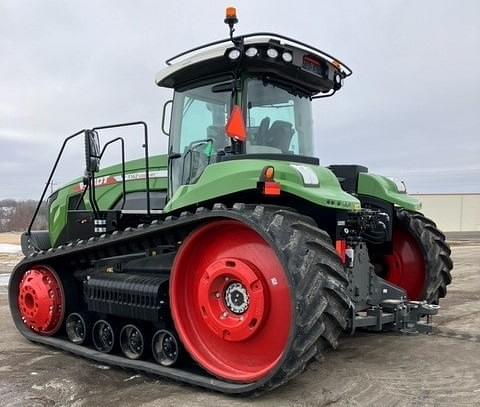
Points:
(243, 97)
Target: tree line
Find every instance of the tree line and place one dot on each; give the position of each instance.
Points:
(15, 215)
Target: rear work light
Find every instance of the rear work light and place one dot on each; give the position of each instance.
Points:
(251, 52)
(266, 183)
(287, 57)
(272, 53)
(234, 54)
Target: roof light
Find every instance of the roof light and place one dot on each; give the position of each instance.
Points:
(272, 53)
(251, 52)
(230, 12)
(234, 54)
(287, 56)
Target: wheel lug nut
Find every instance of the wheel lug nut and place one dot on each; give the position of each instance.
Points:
(223, 315)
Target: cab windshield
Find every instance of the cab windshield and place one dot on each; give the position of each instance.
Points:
(278, 122)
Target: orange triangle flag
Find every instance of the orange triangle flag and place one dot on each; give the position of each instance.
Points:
(235, 127)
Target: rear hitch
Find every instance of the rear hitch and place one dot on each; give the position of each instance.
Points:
(406, 317)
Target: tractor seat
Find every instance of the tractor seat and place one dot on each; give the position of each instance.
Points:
(280, 135)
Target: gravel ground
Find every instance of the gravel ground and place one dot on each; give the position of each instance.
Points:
(368, 369)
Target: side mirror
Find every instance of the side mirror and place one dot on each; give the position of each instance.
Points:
(92, 151)
(164, 117)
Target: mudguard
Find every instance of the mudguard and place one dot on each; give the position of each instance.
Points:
(383, 188)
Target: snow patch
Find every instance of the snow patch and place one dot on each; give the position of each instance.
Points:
(4, 279)
(10, 248)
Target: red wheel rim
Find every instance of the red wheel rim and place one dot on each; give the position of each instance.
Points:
(231, 301)
(406, 264)
(41, 300)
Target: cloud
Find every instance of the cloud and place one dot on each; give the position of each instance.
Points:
(412, 102)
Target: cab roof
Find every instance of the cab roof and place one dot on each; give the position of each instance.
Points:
(306, 68)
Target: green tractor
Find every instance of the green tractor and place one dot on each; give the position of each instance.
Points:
(236, 259)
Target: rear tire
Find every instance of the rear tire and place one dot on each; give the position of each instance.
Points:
(306, 269)
(433, 262)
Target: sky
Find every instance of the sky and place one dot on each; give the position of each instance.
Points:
(410, 110)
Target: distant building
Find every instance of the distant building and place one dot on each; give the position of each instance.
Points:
(453, 212)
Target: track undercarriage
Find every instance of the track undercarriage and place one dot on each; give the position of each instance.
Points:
(264, 312)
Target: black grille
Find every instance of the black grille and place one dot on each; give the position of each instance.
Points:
(133, 296)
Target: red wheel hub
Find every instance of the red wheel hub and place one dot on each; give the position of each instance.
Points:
(41, 300)
(231, 301)
(406, 264)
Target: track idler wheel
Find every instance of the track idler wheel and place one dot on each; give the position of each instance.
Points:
(103, 336)
(77, 326)
(41, 300)
(132, 342)
(165, 348)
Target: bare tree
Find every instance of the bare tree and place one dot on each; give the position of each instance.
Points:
(16, 215)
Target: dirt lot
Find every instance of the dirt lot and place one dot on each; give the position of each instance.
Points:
(369, 369)
(8, 260)
(10, 238)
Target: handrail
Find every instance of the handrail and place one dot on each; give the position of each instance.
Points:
(52, 172)
(83, 131)
(145, 146)
(124, 187)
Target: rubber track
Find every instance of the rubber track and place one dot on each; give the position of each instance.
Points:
(317, 281)
(438, 263)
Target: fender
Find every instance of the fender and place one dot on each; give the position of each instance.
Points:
(383, 188)
(310, 182)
